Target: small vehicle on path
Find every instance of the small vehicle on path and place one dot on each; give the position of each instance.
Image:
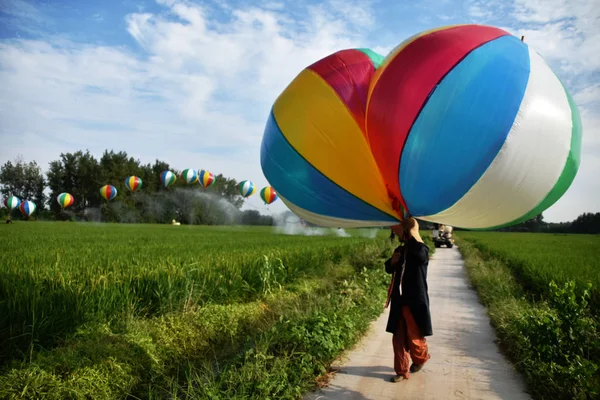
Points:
(442, 236)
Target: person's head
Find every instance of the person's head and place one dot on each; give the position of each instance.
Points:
(409, 224)
(403, 230)
(399, 231)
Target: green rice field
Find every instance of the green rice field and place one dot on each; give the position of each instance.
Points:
(542, 295)
(144, 311)
(538, 259)
(56, 276)
(125, 311)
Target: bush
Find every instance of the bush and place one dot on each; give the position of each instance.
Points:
(284, 361)
(560, 345)
(554, 342)
(272, 347)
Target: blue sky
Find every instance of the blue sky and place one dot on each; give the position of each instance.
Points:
(192, 82)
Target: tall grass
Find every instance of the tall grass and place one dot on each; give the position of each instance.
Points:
(549, 329)
(54, 277)
(115, 311)
(537, 259)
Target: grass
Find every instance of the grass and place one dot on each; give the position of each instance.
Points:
(543, 315)
(56, 277)
(538, 259)
(149, 311)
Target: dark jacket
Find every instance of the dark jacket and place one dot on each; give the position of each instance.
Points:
(414, 286)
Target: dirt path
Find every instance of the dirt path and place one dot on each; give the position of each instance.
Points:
(465, 362)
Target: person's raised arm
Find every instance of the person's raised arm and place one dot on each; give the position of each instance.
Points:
(392, 261)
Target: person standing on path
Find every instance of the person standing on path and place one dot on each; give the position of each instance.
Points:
(409, 319)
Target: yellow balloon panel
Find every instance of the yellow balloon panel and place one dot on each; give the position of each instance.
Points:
(318, 125)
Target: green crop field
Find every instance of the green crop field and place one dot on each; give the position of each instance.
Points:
(115, 310)
(538, 259)
(542, 294)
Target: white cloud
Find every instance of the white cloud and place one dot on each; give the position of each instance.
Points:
(564, 32)
(590, 145)
(21, 10)
(201, 88)
(478, 12)
(198, 89)
(444, 17)
(588, 95)
(97, 17)
(358, 12)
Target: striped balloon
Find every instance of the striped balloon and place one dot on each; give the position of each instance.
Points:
(247, 188)
(189, 176)
(464, 125)
(314, 150)
(268, 195)
(206, 178)
(65, 200)
(108, 192)
(133, 183)
(12, 202)
(167, 178)
(505, 128)
(27, 207)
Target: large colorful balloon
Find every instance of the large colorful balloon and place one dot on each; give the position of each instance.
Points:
(463, 125)
(315, 152)
(247, 188)
(27, 207)
(12, 202)
(206, 178)
(65, 200)
(133, 183)
(108, 192)
(167, 178)
(189, 176)
(268, 195)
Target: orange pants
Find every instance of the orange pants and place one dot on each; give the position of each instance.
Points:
(408, 341)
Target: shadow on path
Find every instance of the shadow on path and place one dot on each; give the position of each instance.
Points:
(380, 371)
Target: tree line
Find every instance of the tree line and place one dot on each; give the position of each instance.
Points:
(82, 175)
(585, 223)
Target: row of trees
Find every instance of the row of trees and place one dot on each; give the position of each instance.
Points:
(82, 175)
(24, 180)
(585, 223)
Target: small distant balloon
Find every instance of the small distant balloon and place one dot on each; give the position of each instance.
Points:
(12, 202)
(108, 192)
(27, 208)
(65, 200)
(189, 176)
(268, 195)
(167, 178)
(133, 183)
(247, 188)
(206, 178)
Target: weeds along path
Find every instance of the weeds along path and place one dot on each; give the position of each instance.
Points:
(153, 312)
(465, 363)
(545, 316)
(535, 259)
